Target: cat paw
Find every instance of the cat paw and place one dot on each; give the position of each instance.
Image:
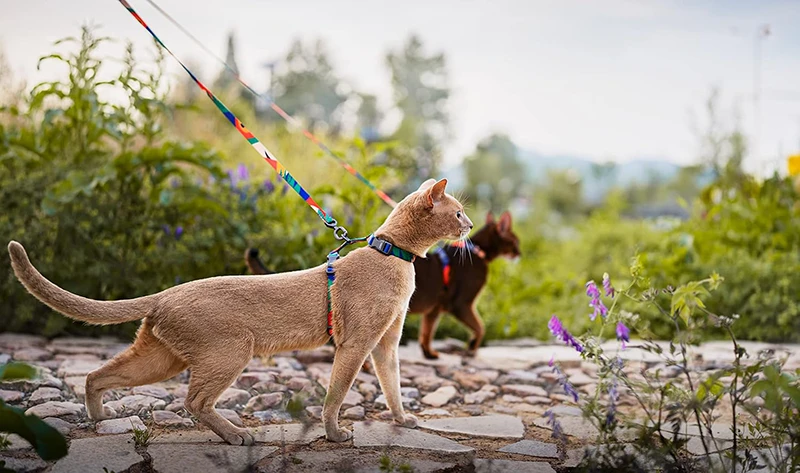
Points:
(239, 437)
(341, 435)
(409, 421)
(431, 354)
(106, 413)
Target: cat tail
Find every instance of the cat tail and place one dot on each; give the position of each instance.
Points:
(72, 305)
(254, 263)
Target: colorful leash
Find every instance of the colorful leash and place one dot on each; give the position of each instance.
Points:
(289, 119)
(340, 233)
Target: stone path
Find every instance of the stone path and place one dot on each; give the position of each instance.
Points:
(482, 414)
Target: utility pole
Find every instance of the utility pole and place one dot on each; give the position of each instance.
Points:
(761, 33)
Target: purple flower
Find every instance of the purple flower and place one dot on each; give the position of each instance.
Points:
(233, 178)
(613, 396)
(596, 304)
(554, 424)
(269, 187)
(558, 331)
(562, 380)
(244, 174)
(178, 232)
(623, 334)
(166, 229)
(607, 287)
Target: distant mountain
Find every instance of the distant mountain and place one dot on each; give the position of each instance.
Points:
(594, 186)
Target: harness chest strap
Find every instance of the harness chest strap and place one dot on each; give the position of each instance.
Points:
(442, 254)
(379, 245)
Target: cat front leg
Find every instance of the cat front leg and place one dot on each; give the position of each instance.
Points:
(347, 362)
(387, 367)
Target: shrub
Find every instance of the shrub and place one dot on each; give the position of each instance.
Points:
(762, 400)
(109, 207)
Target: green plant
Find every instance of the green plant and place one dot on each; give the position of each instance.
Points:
(389, 466)
(100, 186)
(47, 441)
(672, 410)
(143, 437)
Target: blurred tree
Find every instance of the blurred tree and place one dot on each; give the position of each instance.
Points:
(606, 173)
(420, 93)
(369, 118)
(305, 85)
(722, 148)
(10, 90)
(563, 192)
(495, 175)
(226, 82)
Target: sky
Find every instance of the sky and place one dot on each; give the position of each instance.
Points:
(608, 80)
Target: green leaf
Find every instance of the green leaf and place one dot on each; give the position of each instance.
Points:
(16, 370)
(48, 442)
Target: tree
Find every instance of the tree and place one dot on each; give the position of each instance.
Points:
(305, 85)
(563, 192)
(10, 90)
(723, 148)
(421, 92)
(495, 175)
(369, 118)
(226, 82)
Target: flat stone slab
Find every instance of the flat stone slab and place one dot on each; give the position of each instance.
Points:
(120, 426)
(440, 397)
(288, 433)
(349, 460)
(56, 409)
(116, 453)
(171, 419)
(495, 426)
(379, 434)
(412, 353)
(170, 458)
(507, 466)
(11, 396)
(572, 426)
(533, 448)
(23, 465)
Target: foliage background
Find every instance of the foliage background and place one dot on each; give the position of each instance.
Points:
(117, 199)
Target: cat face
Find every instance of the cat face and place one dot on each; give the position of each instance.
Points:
(504, 238)
(438, 215)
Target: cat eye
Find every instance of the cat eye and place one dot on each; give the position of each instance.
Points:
(458, 214)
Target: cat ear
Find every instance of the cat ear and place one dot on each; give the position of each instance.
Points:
(489, 218)
(427, 184)
(504, 225)
(435, 193)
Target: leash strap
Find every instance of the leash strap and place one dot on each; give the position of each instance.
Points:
(274, 106)
(331, 273)
(339, 232)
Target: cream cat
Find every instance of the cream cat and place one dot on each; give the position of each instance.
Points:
(215, 326)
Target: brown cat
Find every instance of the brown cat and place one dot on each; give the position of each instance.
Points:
(215, 326)
(466, 277)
